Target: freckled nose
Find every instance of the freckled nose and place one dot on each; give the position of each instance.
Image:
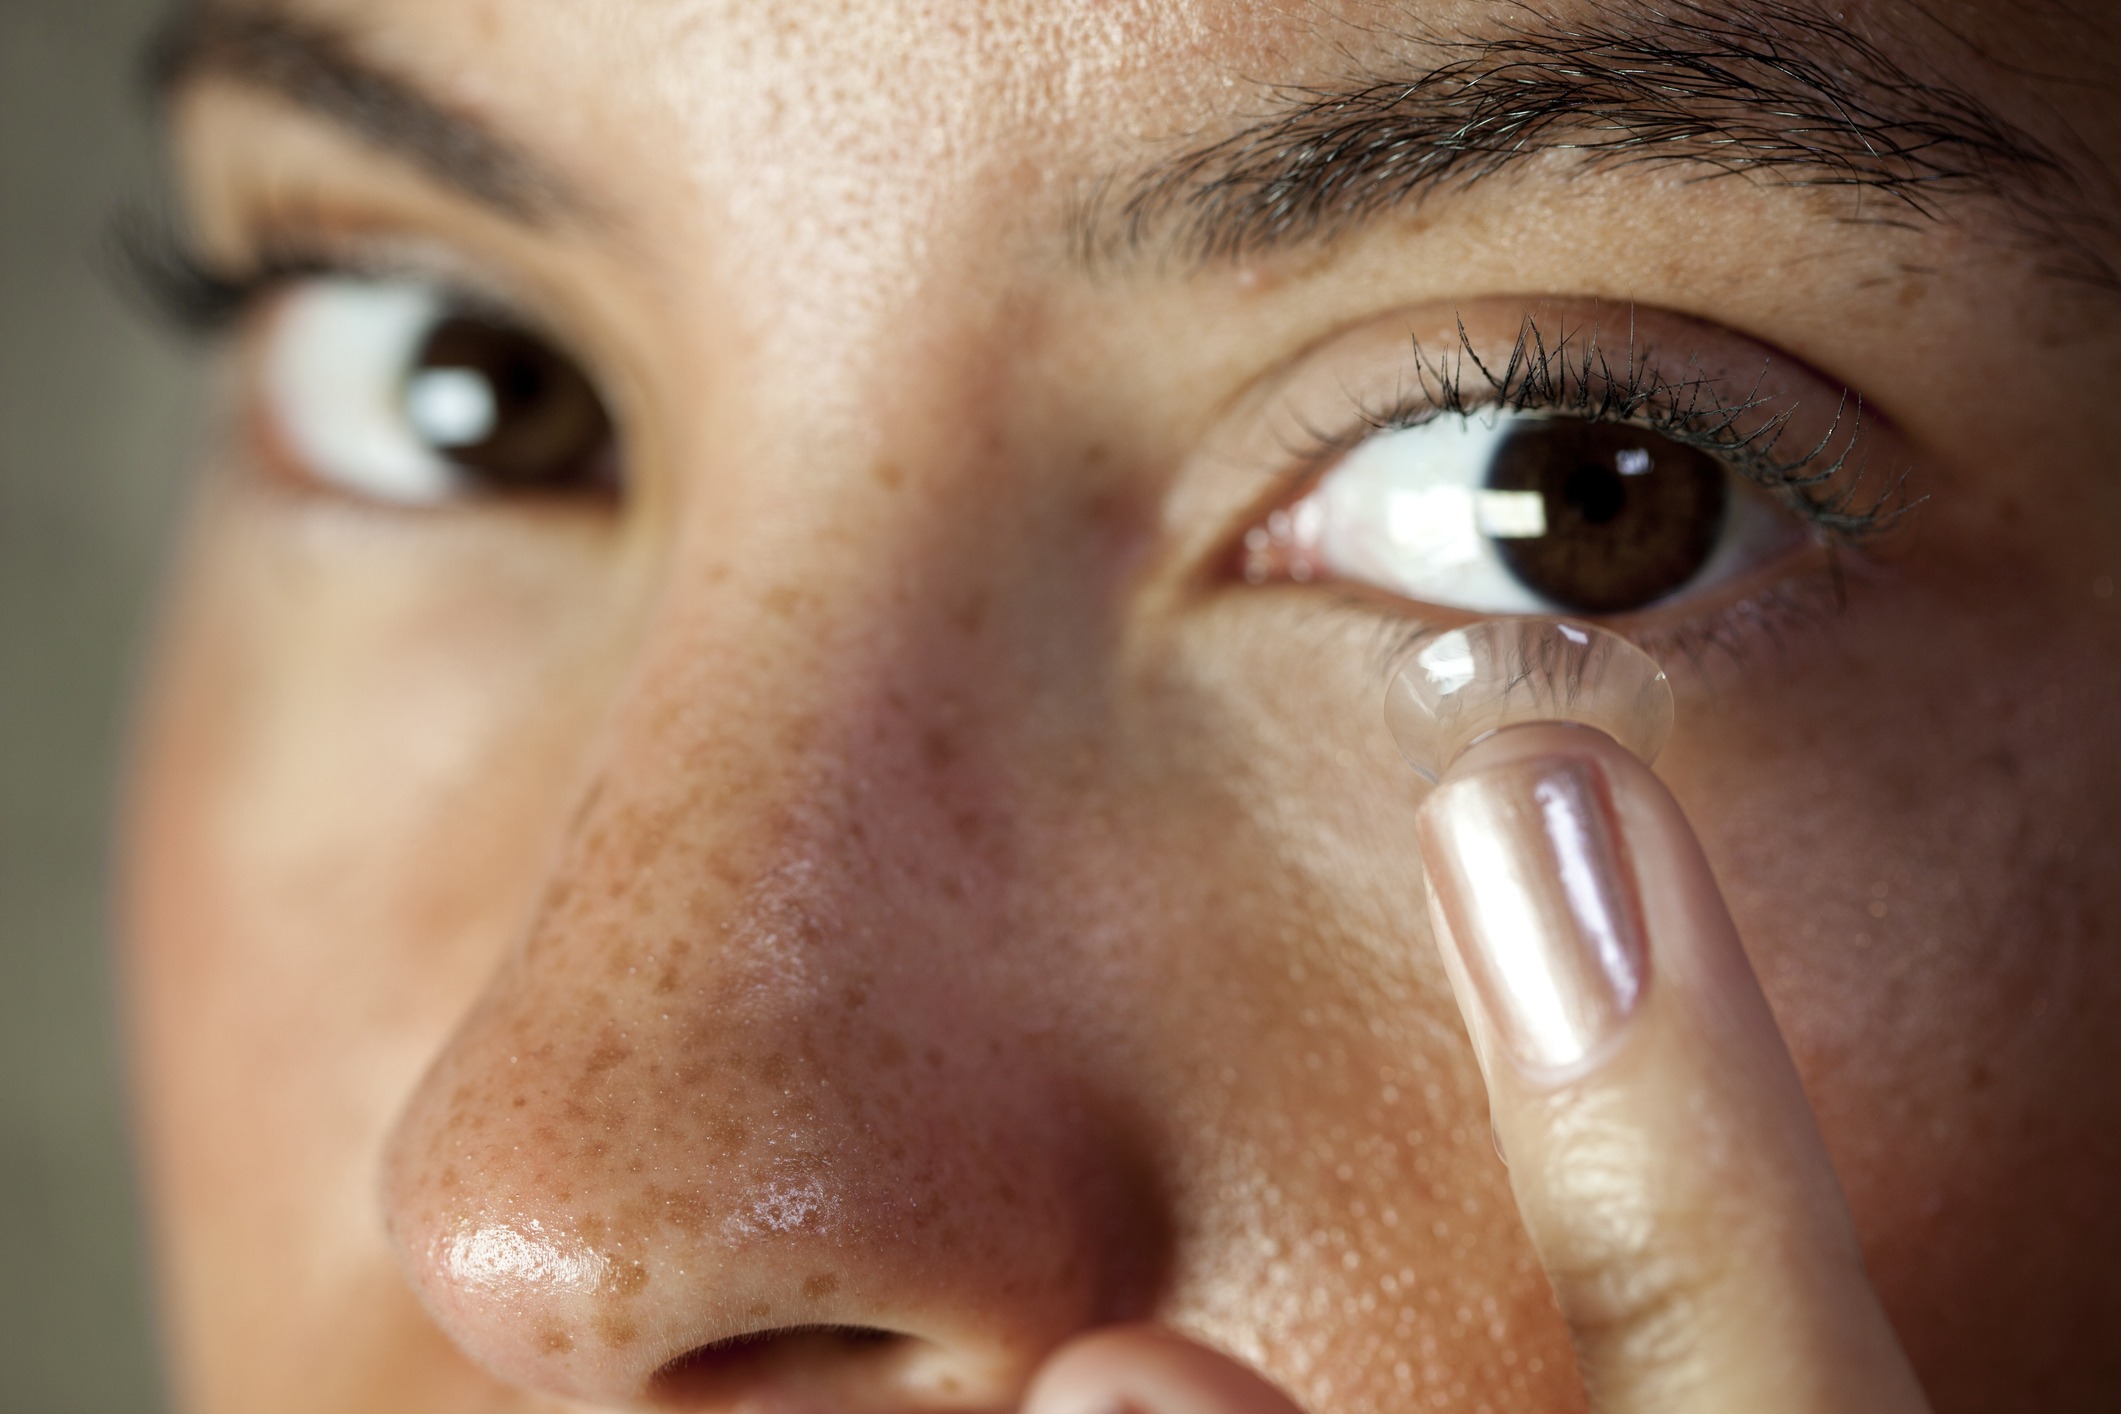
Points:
(761, 1108)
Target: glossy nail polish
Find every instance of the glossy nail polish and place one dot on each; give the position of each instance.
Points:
(1531, 881)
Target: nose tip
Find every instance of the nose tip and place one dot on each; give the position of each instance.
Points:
(704, 1196)
(708, 1297)
(776, 1102)
(548, 1312)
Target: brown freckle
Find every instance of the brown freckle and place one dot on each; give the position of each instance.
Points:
(630, 1278)
(797, 734)
(666, 981)
(759, 1310)
(889, 475)
(787, 600)
(891, 1052)
(554, 1342)
(608, 1052)
(518, 1102)
(934, 1057)
(952, 889)
(730, 1133)
(972, 614)
(938, 749)
(592, 1229)
(560, 895)
(1104, 509)
(449, 1178)
(618, 1331)
(774, 1069)
(822, 1285)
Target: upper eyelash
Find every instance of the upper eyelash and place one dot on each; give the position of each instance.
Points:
(1575, 375)
(192, 293)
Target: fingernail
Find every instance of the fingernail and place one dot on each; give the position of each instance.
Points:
(1531, 877)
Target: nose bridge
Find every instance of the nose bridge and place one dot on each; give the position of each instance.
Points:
(752, 1103)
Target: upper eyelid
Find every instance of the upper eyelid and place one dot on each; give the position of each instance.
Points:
(1813, 478)
(205, 295)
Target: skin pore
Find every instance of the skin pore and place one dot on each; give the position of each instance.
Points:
(882, 893)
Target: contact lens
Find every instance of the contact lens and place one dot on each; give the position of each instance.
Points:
(1461, 685)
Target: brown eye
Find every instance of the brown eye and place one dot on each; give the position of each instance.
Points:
(1627, 516)
(392, 391)
(508, 410)
(1498, 511)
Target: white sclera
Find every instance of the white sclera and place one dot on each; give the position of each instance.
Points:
(1461, 685)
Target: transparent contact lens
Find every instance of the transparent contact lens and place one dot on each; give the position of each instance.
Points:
(1464, 684)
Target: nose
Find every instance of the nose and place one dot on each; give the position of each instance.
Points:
(770, 1103)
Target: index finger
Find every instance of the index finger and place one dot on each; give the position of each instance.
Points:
(1663, 1155)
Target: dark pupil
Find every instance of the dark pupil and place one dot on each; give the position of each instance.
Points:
(505, 407)
(1630, 515)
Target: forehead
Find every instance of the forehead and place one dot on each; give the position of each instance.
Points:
(892, 102)
(856, 96)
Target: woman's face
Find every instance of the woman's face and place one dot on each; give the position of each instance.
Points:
(767, 784)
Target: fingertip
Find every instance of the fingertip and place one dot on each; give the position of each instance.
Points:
(1145, 1369)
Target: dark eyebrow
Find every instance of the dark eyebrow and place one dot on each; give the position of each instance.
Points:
(1775, 90)
(322, 70)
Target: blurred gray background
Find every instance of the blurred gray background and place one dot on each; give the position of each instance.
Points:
(95, 426)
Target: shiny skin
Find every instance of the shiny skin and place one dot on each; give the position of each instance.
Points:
(885, 875)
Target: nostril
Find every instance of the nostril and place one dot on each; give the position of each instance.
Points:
(725, 1372)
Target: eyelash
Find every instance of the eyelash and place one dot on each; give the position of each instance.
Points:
(191, 293)
(1826, 483)
(1568, 376)
(187, 292)
(194, 294)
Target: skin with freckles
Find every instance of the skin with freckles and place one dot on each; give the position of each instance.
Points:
(882, 897)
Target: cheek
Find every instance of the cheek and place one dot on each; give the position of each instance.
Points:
(342, 801)
(1915, 860)
(1341, 1215)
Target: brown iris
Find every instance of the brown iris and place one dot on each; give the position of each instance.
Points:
(1630, 516)
(516, 415)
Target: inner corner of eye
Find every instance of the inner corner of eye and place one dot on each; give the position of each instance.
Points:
(1286, 544)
